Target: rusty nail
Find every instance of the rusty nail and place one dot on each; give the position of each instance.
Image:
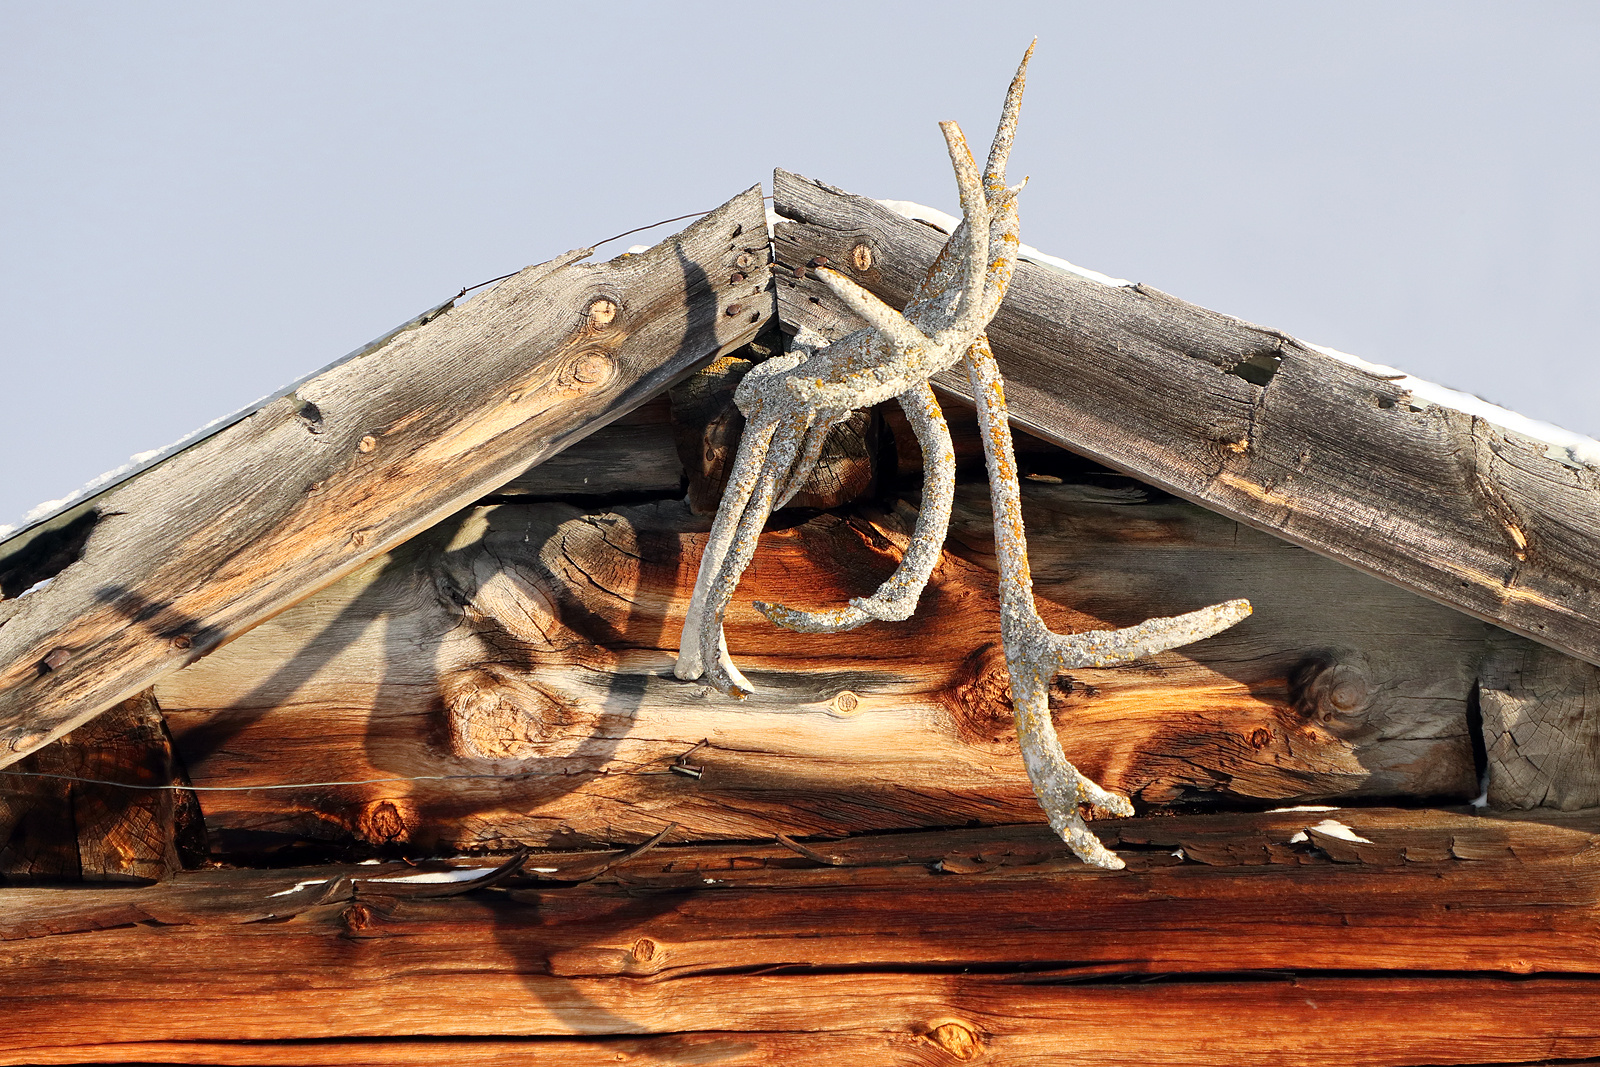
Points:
(182, 641)
(819, 261)
(733, 309)
(736, 277)
(56, 658)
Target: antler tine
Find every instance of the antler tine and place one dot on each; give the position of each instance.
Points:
(1103, 648)
(719, 668)
(994, 175)
(975, 254)
(885, 321)
(735, 500)
(897, 597)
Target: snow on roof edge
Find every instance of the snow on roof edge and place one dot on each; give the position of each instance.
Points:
(1566, 446)
(948, 223)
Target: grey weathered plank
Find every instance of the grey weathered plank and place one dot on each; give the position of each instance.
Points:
(241, 525)
(632, 455)
(1323, 454)
(1541, 726)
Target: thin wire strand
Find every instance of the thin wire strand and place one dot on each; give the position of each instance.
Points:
(281, 785)
(597, 244)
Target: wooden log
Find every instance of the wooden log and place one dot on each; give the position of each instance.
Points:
(235, 528)
(1541, 726)
(631, 455)
(1251, 423)
(538, 641)
(708, 424)
(1402, 950)
(61, 829)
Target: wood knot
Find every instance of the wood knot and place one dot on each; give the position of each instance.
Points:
(957, 1039)
(385, 822)
(846, 703)
(496, 715)
(1260, 737)
(980, 698)
(1329, 689)
(644, 950)
(861, 258)
(27, 742)
(584, 371)
(602, 313)
(357, 918)
(744, 261)
(367, 444)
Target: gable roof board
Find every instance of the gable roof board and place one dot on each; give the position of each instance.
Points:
(1336, 457)
(242, 523)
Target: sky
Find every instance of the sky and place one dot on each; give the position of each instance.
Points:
(200, 203)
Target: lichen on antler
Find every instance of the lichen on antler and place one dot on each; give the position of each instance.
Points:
(792, 402)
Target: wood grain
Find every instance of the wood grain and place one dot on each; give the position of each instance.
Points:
(631, 455)
(538, 640)
(58, 830)
(1324, 454)
(230, 531)
(1541, 726)
(1442, 938)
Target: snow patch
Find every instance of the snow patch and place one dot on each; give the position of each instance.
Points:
(1565, 446)
(948, 223)
(299, 886)
(1331, 828)
(460, 874)
(35, 587)
(1302, 807)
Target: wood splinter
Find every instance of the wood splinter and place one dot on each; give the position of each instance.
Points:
(792, 401)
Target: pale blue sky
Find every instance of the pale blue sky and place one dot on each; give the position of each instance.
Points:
(202, 202)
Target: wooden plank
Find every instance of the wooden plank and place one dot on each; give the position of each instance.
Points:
(234, 529)
(1323, 454)
(1423, 925)
(632, 455)
(929, 1021)
(1541, 726)
(59, 829)
(538, 640)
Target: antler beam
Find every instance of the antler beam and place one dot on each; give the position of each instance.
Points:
(792, 402)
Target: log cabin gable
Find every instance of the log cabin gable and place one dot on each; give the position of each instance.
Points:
(1248, 423)
(447, 650)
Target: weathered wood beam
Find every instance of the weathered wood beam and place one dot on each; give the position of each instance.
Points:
(538, 640)
(57, 829)
(237, 527)
(631, 455)
(1365, 936)
(1251, 423)
(1541, 726)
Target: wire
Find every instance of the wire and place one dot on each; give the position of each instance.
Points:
(597, 244)
(281, 785)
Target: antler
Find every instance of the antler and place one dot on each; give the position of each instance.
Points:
(793, 401)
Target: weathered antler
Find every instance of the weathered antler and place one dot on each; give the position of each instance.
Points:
(792, 402)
